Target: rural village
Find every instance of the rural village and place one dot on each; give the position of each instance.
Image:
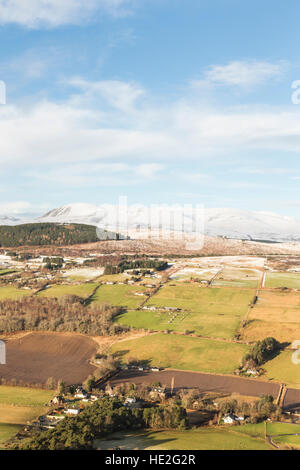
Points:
(212, 337)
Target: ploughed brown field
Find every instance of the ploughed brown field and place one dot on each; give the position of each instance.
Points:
(292, 399)
(203, 382)
(35, 357)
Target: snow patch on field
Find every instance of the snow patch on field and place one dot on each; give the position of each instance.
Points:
(87, 273)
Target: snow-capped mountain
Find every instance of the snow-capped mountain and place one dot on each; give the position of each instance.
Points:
(255, 225)
(231, 223)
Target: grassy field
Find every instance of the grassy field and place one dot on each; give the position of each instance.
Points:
(284, 433)
(7, 431)
(201, 299)
(221, 438)
(13, 293)
(282, 369)
(245, 437)
(211, 325)
(122, 295)
(275, 314)
(208, 312)
(183, 352)
(18, 405)
(235, 277)
(23, 396)
(258, 330)
(10, 414)
(277, 307)
(290, 280)
(81, 290)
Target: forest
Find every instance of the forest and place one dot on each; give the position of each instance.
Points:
(47, 234)
(68, 313)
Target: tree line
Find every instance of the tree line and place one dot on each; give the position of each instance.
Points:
(158, 265)
(68, 313)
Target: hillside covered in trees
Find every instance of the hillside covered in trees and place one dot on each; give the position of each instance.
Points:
(47, 234)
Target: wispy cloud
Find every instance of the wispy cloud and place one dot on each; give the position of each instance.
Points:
(53, 13)
(19, 208)
(33, 63)
(241, 73)
(118, 94)
(96, 174)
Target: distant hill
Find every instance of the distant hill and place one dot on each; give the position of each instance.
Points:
(230, 223)
(36, 234)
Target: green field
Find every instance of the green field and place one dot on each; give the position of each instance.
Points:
(212, 312)
(282, 369)
(18, 405)
(183, 352)
(121, 295)
(235, 277)
(81, 290)
(244, 437)
(7, 431)
(13, 293)
(212, 325)
(221, 438)
(290, 280)
(284, 433)
(24, 396)
(203, 300)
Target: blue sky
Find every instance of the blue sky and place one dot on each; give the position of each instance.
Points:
(165, 101)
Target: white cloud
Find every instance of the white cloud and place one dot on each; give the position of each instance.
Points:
(138, 139)
(96, 174)
(18, 208)
(149, 170)
(53, 13)
(118, 94)
(241, 73)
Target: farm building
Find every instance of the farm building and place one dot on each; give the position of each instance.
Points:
(230, 419)
(73, 411)
(80, 393)
(58, 400)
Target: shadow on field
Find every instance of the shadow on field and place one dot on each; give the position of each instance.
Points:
(281, 347)
(120, 354)
(132, 441)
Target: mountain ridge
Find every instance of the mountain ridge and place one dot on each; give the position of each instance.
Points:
(230, 223)
(215, 222)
